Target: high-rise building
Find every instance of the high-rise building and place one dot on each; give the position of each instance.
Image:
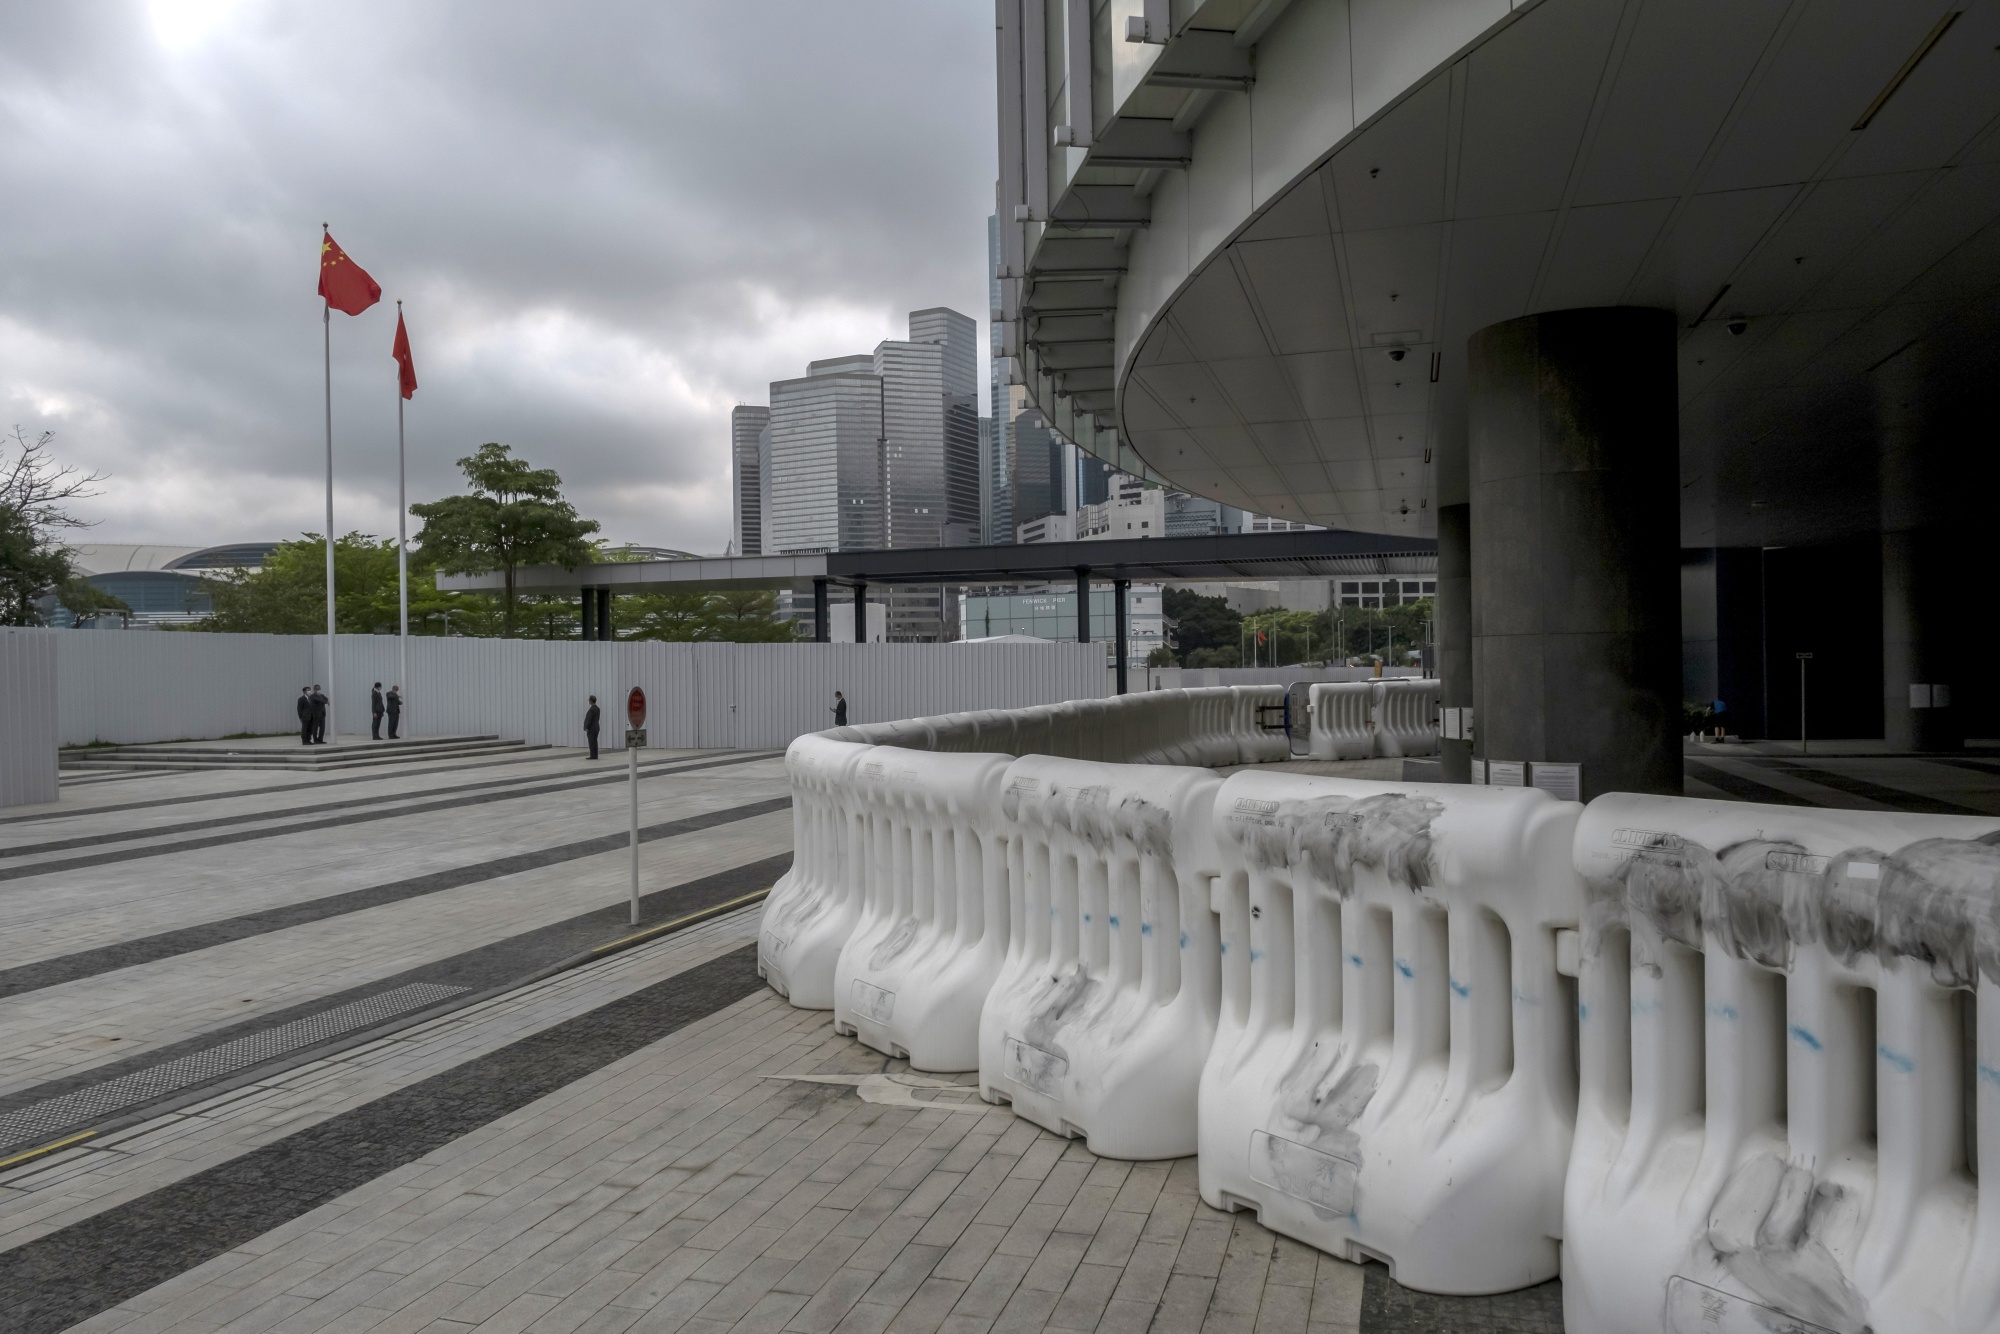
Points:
(1038, 468)
(747, 426)
(996, 460)
(826, 491)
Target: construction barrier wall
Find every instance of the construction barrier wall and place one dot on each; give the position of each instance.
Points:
(1393, 1072)
(1790, 1041)
(1724, 1067)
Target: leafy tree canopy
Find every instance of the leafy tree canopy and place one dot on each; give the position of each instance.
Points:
(287, 596)
(1200, 622)
(515, 515)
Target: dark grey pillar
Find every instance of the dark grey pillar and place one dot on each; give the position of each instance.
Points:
(1920, 709)
(860, 613)
(587, 614)
(822, 632)
(1453, 610)
(604, 630)
(1118, 589)
(1572, 426)
(1083, 604)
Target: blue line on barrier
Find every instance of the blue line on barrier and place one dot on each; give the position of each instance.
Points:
(1458, 988)
(1354, 959)
(1582, 1012)
(1905, 1064)
(1722, 1010)
(1989, 1074)
(1803, 1036)
(1112, 921)
(1255, 954)
(1184, 941)
(1404, 969)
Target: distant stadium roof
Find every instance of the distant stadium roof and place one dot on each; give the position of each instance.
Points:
(128, 557)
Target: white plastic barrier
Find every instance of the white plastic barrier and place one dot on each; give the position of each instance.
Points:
(1791, 1063)
(1104, 1008)
(1254, 744)
(932, 928)
(1406, 716)
(1391, 1076)
(1343, 720)
(814, 905)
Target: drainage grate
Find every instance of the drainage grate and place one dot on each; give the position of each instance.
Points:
(40, 1120)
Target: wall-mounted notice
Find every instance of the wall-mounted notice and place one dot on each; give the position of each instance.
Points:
(1479, 772)
(1448, 724)
(1507, 773)
(1563, 781)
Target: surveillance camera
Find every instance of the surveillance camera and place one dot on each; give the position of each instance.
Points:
(1398, 353)
(1738, 326)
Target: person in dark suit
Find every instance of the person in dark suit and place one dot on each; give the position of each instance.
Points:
(375, 711)
(395, 704)
(305, 715)
(839, 709)
(318, 723)
(590, 717)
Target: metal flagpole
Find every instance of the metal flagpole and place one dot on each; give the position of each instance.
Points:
(402, 534)
(332, 690)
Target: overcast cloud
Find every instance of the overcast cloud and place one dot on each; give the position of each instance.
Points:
(609, 222)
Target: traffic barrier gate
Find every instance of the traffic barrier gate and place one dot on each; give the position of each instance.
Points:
(1790, 1060)
(1392, 1073)
(1105, 1004)
(1255, 744)
(1406, 716)
(1343, 720)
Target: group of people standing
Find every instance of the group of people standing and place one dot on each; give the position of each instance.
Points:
(312, 713)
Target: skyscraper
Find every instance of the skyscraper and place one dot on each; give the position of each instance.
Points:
(826, 459)
(996, 463)
(747, 425)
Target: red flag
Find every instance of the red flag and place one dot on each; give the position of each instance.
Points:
(406, 369)
(345, 284)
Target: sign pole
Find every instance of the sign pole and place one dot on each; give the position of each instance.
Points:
(1802, 702)
(635, 737)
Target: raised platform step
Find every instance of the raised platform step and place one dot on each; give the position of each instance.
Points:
(285, 753)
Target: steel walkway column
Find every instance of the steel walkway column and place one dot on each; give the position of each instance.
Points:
(1083, 604)
(822, 632)
(1118, 590)
(860, 612)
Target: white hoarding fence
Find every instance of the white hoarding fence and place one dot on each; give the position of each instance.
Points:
(134, 687)
(1392, 1075)
(1789, 1044)
(30, 702)
(932, 927)
(1105, 1006)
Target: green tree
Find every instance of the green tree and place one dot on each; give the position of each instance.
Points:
(34, 562)
(287, 595)
(738, 616)
(514, 516)
(1196, 623)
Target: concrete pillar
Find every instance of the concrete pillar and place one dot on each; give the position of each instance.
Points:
(860, 612)
(1920, 708)
(1083, 604)
(1572, 428)
(604, 629)
(1453, 610)
(822, 632)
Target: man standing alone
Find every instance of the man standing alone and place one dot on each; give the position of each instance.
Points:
(318, 723)
(590, 716)
(305, 716)
(839, 709)
(395, 710)
(375, 712)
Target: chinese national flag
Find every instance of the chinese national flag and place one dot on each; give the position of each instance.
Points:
(406, 369)
(1260, 636)
(345, 284)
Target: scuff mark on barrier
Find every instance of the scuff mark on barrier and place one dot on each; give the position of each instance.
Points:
(891, 947)
(1316, 1107)
(1768, 1229)
(1936, 900)
(1389, 832)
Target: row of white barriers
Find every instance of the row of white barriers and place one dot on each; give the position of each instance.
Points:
(1359, 720)
(1721, 1066)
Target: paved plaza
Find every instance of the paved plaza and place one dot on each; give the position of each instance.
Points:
(345, 1051)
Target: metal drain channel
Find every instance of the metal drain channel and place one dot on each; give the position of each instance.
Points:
(40, 1120)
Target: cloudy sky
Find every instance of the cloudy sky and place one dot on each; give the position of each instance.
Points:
(609, 222)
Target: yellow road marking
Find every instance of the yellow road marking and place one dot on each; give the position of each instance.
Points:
(46, 1148)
